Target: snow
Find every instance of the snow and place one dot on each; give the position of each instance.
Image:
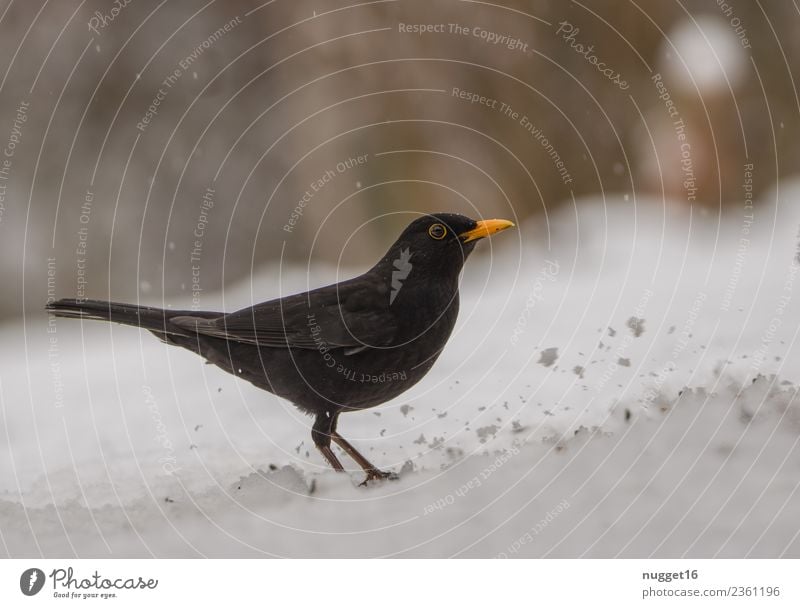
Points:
(622, 382)
(708, 55)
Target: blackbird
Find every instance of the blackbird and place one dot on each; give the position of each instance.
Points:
(348, 346)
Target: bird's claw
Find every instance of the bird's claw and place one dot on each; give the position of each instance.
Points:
(376, 475)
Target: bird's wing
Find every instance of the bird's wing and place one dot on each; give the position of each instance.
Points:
(348, 315)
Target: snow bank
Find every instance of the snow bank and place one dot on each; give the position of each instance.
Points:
(622, 382)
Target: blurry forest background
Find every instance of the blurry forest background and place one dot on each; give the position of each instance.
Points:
(263, 99)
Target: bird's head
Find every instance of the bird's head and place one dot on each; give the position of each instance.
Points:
(437, 244)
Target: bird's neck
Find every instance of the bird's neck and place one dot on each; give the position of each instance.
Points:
(426, 299)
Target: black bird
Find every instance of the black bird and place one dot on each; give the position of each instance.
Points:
(348, 346)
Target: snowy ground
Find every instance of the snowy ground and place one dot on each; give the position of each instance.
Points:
(628, 388)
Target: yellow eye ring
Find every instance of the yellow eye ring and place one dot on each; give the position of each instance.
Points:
(437, 231)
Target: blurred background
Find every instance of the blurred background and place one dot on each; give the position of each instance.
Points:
(183, 145)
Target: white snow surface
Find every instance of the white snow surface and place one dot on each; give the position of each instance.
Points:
(622, 382)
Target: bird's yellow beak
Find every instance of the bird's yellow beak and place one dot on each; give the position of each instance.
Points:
(484, 228)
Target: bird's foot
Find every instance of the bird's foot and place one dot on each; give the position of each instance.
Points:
(376, 475)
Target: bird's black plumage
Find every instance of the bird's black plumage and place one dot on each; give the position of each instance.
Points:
(344, 347)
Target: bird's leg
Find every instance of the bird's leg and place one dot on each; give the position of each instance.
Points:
(321, 434)
(328, 454)
(370, 469)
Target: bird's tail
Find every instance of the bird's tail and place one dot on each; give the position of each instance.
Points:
(145, 317)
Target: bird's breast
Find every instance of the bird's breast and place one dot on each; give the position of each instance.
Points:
(425, 323)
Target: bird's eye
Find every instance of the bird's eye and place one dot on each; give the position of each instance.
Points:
(437, 231)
